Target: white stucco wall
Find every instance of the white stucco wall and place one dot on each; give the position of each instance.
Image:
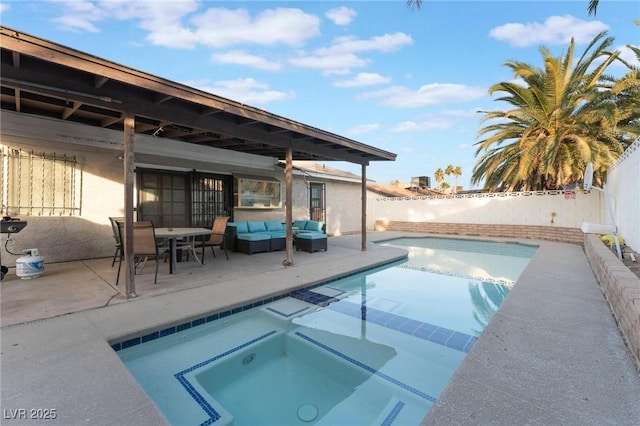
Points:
(521, 208)
(623, 183)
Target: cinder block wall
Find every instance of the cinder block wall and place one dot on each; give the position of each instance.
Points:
(621, 288)
(549, 233)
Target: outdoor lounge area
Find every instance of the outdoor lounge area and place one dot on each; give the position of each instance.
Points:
(600, 387)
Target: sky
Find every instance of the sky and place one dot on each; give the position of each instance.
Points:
(406, 80)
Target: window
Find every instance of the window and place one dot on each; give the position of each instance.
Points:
(39, 184)
(178, 199)
(163, 198)
(258, 192)
(211, 197)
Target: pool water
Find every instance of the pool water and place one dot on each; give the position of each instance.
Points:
(373, 348)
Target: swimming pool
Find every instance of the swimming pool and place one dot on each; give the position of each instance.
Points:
(373, 348)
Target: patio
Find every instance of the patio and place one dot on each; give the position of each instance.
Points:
(554, 341)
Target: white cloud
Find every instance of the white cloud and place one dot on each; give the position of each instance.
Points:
(341, 15)
(363, 79)
(4, 7)
(166, 22)
(628, 56)
(555, 30)
(334, 63)
(340, 57)
(363, 128)
(412, 126)
(220, 27)
(246, 90)
(443, 119)
(350, 44)
(79, 16)
(237, 57)
(429, 94)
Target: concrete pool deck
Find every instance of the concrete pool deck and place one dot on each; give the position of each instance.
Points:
(551, 355)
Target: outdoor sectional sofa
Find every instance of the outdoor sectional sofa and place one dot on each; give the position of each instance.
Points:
(260, 236)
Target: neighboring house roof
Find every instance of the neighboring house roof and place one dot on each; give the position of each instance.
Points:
(389, 190)
(425, 191)
(43, 78)
(316, 170)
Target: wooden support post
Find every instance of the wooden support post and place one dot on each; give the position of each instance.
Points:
(363, 229)
(129, 167)
(288, 178)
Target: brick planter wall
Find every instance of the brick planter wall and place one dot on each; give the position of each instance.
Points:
(549, 233)
(621, 288)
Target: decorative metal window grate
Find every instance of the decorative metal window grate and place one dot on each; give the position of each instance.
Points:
(211, 197)
(39, 184)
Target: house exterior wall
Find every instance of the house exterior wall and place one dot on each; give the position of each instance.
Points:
(87, 234)
(623, 182)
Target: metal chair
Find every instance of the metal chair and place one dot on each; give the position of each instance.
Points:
(215, 239)
(116, 236)
(144, 246)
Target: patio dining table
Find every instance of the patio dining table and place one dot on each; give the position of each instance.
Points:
(174, 234)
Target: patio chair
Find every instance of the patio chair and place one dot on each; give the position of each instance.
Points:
(215, 239)
(116, 236)
(144, 246)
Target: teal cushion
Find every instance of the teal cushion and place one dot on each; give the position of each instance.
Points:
(300, 224)
(311, 236)
(313, 225)
(278, 234)
(256, 226)
(274, 225)
(241, 227)
(254, 237)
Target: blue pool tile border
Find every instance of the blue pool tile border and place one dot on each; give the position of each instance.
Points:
(393, 414)
(202, 402)
(124, 344)
(215, 415)
(364, 366)
(440, 335)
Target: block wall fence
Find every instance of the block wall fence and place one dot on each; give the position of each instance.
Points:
(621, 287)
(547, 215)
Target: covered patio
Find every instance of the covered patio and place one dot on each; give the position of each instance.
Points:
(44, 79)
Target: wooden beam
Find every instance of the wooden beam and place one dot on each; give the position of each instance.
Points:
(68, 112)
(363, 227)
(99, 81)
(288, 208)
(108, 121)
(159, 98)
(15, 57)
(17, 97)
(129, 167)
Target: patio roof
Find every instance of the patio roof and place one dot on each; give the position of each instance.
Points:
(47, 79)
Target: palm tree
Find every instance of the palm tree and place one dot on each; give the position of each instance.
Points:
(449, 170)
(626, 94)
(563, 117)
(457, 172)
(439, 175)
